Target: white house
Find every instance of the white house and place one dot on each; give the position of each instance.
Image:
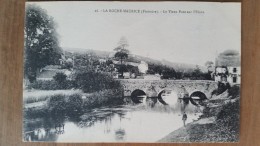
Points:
(143, 67)
(126, 75)
(234, 75)
(228, 66)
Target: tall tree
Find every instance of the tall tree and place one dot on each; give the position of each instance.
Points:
(41, 41)
(122, 51)
(123, 42)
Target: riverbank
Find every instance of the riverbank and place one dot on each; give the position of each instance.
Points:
(192, 132)
(38, 103)
(219, 122)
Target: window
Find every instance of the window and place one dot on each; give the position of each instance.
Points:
(234, 79)
(234, 70)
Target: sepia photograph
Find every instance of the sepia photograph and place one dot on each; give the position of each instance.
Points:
(138, 72)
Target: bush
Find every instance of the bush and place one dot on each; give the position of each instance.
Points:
(234, 91)
(96, 81)
(74, 104)
(60, 77)
(63, 104)
(57, 104)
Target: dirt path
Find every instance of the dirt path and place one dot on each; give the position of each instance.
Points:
(179, 135)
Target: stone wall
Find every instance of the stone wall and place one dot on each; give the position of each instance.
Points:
(153, 87)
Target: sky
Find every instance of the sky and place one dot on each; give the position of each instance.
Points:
(192, 38)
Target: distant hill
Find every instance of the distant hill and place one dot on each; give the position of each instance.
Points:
(98, 53)
(137, 58)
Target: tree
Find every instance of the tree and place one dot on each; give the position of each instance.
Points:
(168, 73)
(179, 75)
(91, 81)
(121, 51)
(122, 54)
(122, 68)
(210, 67)
(41, 41)
(123, 42)
(197, 74)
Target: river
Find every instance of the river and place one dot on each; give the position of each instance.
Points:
(120, 123)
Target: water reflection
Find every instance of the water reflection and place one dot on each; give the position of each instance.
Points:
(43, 129)
(59, 128)
(120, 135)
(128, 123)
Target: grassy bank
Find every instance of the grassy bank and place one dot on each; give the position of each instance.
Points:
(66, 102)
(33, 96)
(219, 122)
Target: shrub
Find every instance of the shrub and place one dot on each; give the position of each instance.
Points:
(65, 104)
(60, 77)
(74, 104)
(57, 104)
(234, 91)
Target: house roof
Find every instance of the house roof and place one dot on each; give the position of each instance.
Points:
(228, 58)
(227, 61)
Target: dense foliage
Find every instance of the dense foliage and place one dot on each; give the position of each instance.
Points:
(62, 104)
(57, 104)
(60, 78)
(96, 81)
(41, 42)
(234, 91)
(74, 104)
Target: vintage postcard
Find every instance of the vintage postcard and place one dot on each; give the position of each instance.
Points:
(149, 72)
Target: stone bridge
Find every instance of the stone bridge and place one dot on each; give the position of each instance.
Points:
(152, 88)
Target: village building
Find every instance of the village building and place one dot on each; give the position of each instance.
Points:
(101, 61)
(126, 75)
(143, 67)
(229, 67)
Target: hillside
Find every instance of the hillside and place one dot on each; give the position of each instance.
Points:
(137, 58)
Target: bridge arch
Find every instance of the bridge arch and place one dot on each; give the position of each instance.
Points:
(138, 96)
(197, 97)
(168, 96)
